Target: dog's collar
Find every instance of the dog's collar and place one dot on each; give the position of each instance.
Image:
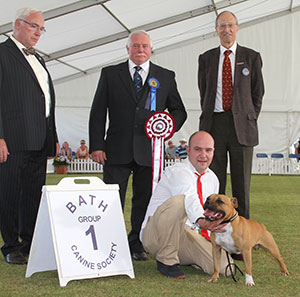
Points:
(231, 219)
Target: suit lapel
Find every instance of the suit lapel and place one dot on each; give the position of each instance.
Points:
(126, 79)
(20, 57)
(146, 99)
(239, 65)
(215, 66)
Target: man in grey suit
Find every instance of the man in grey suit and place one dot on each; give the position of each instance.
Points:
(231, 103)
(124, 147)
(27, 133)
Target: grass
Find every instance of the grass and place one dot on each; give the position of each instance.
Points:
(275, 201)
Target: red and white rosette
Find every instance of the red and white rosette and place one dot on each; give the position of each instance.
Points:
(159, 127)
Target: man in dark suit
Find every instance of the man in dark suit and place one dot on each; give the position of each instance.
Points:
(124, 147)
(231, 93)
(27, 133)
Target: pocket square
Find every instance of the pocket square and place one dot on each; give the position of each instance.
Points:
(240, 63)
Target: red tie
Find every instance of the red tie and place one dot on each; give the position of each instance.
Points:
(227, 82)
(204, 232)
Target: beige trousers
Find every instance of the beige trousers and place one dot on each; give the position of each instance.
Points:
(169, 240)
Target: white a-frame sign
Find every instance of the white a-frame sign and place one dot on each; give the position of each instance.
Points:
(80, 231)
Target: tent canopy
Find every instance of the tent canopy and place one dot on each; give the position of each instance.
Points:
(83, 36)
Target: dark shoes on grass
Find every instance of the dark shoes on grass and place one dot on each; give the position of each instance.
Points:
(170, 270)
(16, 258)
(139, 256)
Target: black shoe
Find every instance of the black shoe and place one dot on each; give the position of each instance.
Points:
(169, 270)
(139, 256)
(15, 258)
(237, 257)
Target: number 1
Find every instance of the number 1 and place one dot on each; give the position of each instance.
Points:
(91, 231)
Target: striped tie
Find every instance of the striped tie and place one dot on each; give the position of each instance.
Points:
(137, 79)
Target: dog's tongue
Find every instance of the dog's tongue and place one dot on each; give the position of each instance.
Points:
(208, 212)
(212, 215)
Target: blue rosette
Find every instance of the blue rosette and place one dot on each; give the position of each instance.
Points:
(154, 85)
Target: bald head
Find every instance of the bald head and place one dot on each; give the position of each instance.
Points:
(201, 150)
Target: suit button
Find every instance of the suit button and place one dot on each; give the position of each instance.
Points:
(137, 109)
(135, 126)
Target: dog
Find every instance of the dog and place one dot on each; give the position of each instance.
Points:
(240, 237)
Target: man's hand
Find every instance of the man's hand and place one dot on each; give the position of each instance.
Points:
(99, 157)
(3, 151)
(215, 226)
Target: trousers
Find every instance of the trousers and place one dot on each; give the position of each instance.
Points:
(169, 240)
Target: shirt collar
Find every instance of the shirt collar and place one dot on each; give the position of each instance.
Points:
(232, 48)
(144, 66)
(18, 44)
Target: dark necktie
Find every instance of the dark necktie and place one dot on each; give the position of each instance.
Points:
(204, 232)
(137, 79)
(29, 51)
(227, 82)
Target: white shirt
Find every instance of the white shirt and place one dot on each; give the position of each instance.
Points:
(143, 72)
(40, 73)
(181, 179)
(232, 56)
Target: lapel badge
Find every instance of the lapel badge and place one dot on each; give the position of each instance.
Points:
(245, 71)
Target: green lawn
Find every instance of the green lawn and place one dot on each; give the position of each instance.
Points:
(275, 201)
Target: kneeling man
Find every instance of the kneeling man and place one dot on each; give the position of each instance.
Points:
(170, 231)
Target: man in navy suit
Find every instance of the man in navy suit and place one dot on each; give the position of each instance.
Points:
(233, 126)
(27, 133)
(124, 147)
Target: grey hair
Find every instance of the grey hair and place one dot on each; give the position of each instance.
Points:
(137, 33)
(24, 12)
(236, 20)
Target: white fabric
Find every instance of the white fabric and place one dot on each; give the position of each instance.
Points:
(143, 72)
(232, 56)
(181, 179)
(279, 120)
(157, 160)
(40, 73)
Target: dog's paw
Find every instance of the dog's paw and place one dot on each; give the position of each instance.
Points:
(214, 277)
(285, 273)
(249, 280)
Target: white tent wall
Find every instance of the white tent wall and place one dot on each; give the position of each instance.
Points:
(279, 123)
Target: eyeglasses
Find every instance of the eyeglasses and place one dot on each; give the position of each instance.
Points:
(34, 26)
(223, 26)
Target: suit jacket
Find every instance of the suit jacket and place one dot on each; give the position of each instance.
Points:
(22, 104)
(125, 139)
(248, 90)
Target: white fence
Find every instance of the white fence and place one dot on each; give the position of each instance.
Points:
(264, 164)
(78, 166)
(276, 164)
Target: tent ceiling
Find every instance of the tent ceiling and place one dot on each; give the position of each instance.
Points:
(83, 36)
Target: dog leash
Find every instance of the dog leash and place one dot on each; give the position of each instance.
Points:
(230, 268)
(227, 255)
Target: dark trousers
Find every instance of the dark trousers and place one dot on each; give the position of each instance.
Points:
(21, 179)
(223, 132)
(141, 189)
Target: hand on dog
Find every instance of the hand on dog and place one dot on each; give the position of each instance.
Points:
(214, 226)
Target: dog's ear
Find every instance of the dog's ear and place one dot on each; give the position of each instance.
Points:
(234, 202)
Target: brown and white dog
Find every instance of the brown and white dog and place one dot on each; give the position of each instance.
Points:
(240, 237)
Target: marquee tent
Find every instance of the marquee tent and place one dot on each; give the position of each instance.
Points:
(84, 36)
